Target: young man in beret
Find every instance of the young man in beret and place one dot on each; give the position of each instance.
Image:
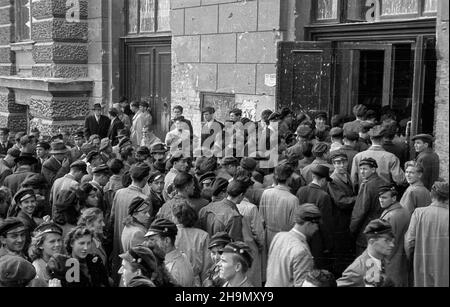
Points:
(162, 233)
(367, 206)
(235, 261)
(321, 153)
(427, 240)
(137, 267)
(398, 217)
(416, 195)
(423, 144)
(290, 258)
(12, 237)
(369, 269)
(388, 164)
(316, 192)
(343, 198)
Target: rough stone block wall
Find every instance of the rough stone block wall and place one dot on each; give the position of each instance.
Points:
(442, 91)
(224, 46)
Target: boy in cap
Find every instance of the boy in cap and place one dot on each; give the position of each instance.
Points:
(423, 144)
(367, 206)
(369, 269)
(100, 177)
(398, 217)
(290, 258)
(235, 261)
(216, 246)
(12, 237)
(162, 233)
(97, 123)
(388, 164)
(136, 223)
(227, 168)
(15, 272)
(427, 240)
(156, 183)
(321, 152)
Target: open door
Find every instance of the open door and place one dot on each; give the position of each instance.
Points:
(304, 76)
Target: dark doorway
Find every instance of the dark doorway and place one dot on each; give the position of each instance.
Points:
(371, 70)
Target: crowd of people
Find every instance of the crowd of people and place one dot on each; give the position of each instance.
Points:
(113, 205)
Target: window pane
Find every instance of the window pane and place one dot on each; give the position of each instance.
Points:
(132, 16)
(356, 10)
(327, 9)
(430, 6)
(147, 15)
(163, 15)
(398, 7)
(24, 20)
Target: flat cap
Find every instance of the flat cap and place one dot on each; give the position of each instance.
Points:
(44, 145)
(338, 155)
(35, 181)
(275, 116)
(321, 114)
(80, 164)
(104, 143)
(321, 171)
(307, 212)
(219, 239)
(209, 110)
(24, 194)
(220, 185)
(386, 188)
(9, 224)
(369, 161)
(143, 150)
(139, 170)
(229, 161)
(378, 227)
(16, 271)
(101, 169)
(162, 227)
(155, 175)
(47, 227)
(158, 148)
(351, 135)
(320, 148)
(377, 132)
(207, 177)
(441, 188)
(249, 164)
(424, 137)
(136, 204)
(241, 249)
(304, 131)
(336, 132)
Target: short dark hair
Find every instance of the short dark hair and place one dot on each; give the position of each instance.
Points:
(115, 165)
(283, 172)
(236, 188)
(184, 213)
(307, 149)
(179, 108)
(182, 180)
(126, 153)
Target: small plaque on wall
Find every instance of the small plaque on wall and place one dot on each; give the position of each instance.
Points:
(221, 102)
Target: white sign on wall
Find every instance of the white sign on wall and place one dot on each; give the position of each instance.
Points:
(270, 80)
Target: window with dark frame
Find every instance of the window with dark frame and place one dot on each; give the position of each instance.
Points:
(343, 11)
(22, 10)
(148, 16)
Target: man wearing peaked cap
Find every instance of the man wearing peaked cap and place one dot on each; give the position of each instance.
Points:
(423, 145)
(216, 245)
(228, 167)
(427, 240)
(156, 183)
(303, 134)
(12, 237)
(367, 206)
(136, 223)
(207, 179)
(275, 116)
(100, 177)
(162, 233)
(369, 269)
(321, 152)
(290, 258)
(236, 260)
(138, 263)
(15, 271)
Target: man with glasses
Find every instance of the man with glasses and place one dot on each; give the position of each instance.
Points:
(368, 270)
(289, 256)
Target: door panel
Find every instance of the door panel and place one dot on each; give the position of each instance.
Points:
(304, 72)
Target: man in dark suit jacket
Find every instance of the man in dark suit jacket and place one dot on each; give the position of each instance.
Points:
(58, 164)
(211, 128)
(423, 144)
(5, 144)
(96, 123)
(115, 126)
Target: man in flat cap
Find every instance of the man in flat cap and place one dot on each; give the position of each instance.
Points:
(369, 269)
(211, 129)
(360, 113)
(321, 153)
(337, 136)
(398, 217)
(343, 198)
(69, 181)
(139, 175)
(100, 177)
(321, 243)
(228, 167)
(367, 206)
(235, 261)
(216, 246)
(12, 237)
(162, 233)
(388, 164)
(303, 136)
(97, 123)
(423, 144)
(290, 258)
(58, 164)
(427, 240)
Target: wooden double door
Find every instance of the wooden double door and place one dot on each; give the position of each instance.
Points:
(148, 77)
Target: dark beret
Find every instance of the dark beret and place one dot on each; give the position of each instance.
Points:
(24, 194)
(209, 110)
(15, 270)
(321, 171)
(219, 185)
(336, 131)
(162, 227)
(249, 164)
(337, 155)
(351, 135)
(424, 137)
(230, 161)
(143, 150)
(101, 169)
(219, 239)
(136, 204)
(44, 145)
(321, 115)
(241, 249)
(155, 175)
(47, 227)
(378, 227)
(320, 148)
(440, 188)
(304, 131)
(9, 224)
(377, 132)
(369, 161)
(307, 212)
(207, 176)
